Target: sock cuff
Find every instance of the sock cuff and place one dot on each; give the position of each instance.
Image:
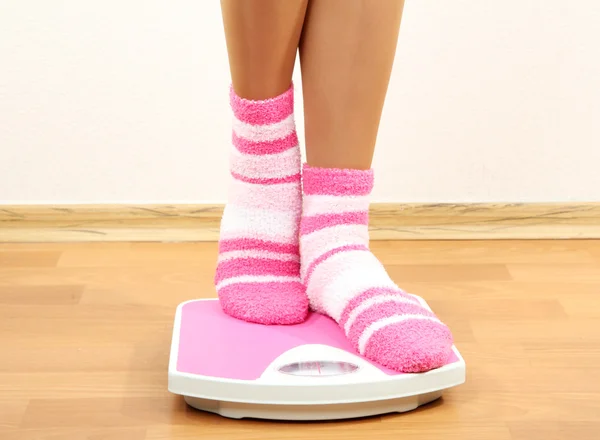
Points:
(337, 181)
(265, 111)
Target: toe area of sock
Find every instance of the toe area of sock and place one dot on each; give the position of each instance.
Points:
(266, 303)
(413, 346)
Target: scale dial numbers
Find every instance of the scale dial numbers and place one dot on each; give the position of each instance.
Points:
(319, 368)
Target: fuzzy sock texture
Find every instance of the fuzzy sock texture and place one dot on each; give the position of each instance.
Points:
(345, 281)
(258, 268)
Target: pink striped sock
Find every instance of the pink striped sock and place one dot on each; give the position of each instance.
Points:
(345, 281)
(258, 270)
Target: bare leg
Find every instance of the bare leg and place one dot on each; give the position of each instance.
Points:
(346, 53)
(262, 41)
(258, 271)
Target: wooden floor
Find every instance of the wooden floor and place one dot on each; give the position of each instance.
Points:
(85, 332)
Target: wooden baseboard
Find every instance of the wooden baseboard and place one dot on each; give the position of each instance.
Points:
(186, 223)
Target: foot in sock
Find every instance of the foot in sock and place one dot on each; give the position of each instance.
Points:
(258, 268)
(345, 281)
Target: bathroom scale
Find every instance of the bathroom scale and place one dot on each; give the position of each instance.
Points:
(307, 371)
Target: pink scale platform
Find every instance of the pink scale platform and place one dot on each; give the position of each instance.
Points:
(307, 371)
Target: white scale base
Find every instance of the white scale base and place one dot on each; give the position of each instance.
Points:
(235, 410)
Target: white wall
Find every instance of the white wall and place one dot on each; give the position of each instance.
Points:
(126, 101)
